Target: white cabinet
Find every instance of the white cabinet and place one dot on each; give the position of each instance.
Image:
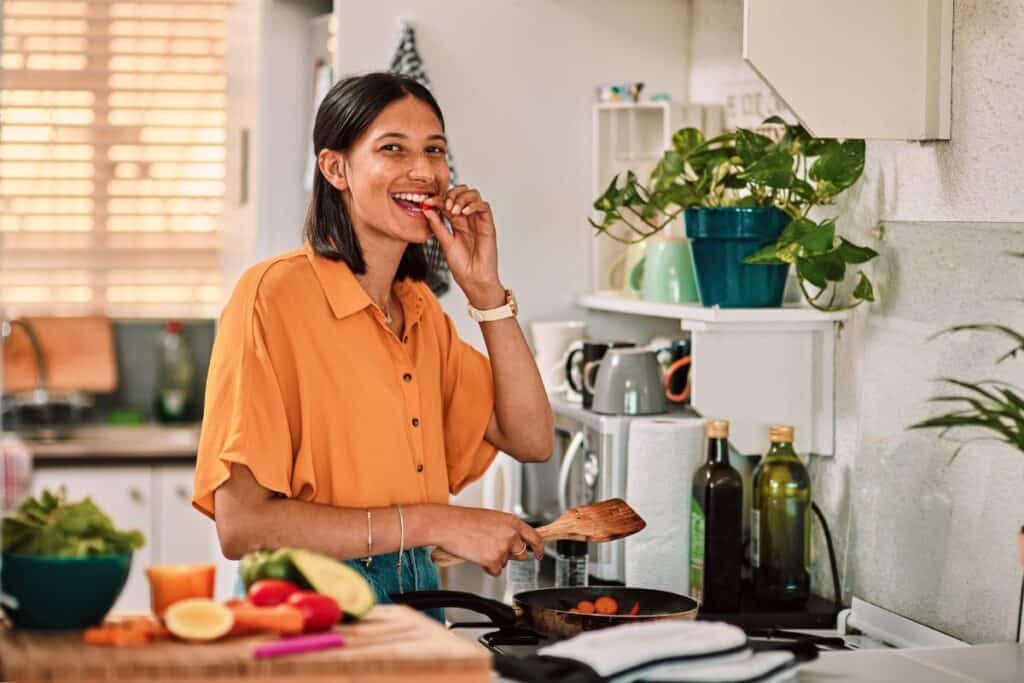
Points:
(865, 69)
(183, 535)
(156, 500)
(124, 493)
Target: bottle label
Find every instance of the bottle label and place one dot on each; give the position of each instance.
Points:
(755, 538)
(174, 401)
(696, 550)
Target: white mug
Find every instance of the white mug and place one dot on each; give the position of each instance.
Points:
(551, 343)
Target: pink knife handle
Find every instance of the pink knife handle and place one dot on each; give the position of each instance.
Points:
(294, 646)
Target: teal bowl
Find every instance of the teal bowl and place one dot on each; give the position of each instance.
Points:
(57, 593)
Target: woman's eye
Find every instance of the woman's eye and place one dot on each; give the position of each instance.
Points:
(436, 150)
(391, 147)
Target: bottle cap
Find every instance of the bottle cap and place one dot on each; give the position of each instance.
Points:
(780, 434)
(571, 548)
(718, 429)
(173, 326)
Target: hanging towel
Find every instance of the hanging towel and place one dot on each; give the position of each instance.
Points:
(407, 62)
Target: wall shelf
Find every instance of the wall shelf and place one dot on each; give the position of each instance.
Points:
(754, 367)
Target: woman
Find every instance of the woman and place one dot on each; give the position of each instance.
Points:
(342, 408)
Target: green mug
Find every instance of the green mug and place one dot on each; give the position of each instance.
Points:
(665, 273)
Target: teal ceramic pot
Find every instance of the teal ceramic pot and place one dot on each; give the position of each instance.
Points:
(720, 239)
(56, 593)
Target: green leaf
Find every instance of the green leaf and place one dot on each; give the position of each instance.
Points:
(838, 166)
(686, 140)
(851, 253)
(822, 269)
(774, 169)
(864, 291)
(795, 230)
(751, 146)
(803, 189)
(819, 240)
(765, 256)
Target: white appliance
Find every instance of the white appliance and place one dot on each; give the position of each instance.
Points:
(588, 465)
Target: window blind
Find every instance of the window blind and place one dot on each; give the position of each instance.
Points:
(112, 116)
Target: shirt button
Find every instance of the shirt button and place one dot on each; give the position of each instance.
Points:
(415, 422)
(419, 468)
(407, 377)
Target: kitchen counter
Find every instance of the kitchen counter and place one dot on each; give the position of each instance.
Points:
(995, 663)
(105, 444)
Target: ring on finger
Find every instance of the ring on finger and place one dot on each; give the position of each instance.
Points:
(521, 551)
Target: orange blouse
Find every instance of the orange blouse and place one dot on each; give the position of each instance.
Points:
(311, 391)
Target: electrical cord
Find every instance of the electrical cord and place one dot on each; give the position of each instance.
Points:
(1020, 609)
(837, 595)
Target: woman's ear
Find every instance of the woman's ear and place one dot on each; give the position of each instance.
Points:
(332, 167)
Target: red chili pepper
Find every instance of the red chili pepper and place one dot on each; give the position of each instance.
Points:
(426, 207)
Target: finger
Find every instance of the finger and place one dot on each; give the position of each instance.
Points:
(444, 238)
(520, 548)
(452, 195)
(481, 207)
(532, 538)
(462, 200)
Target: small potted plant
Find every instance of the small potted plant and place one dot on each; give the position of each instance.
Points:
(746, 200)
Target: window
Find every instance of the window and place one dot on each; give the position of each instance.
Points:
(112, 127)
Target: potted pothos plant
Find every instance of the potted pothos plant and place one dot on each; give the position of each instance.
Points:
(746, 199)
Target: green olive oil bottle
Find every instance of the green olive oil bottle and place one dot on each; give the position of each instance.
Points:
(716, 527)
(780, 525)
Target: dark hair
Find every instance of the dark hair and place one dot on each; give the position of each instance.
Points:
(347, 110)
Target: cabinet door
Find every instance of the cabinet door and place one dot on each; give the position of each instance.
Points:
(124, 493)
(184, 535)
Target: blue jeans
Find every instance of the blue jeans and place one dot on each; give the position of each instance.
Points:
(418, 574)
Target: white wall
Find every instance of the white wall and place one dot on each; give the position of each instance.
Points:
(516, 83)
(932, 540)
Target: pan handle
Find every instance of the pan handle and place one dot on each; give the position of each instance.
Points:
(501, 614)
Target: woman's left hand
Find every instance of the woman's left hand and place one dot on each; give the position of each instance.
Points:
(472, 250)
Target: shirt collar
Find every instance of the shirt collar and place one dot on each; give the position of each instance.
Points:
(346, 296)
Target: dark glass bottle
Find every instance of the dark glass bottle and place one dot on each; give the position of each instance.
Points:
(716, 526)
(780, 525)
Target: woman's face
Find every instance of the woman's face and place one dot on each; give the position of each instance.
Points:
(400, 160)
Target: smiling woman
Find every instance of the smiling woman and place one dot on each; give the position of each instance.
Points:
(342, 407)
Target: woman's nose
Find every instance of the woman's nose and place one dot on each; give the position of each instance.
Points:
(422, 169)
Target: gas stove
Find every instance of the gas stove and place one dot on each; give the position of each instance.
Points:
(862, 626)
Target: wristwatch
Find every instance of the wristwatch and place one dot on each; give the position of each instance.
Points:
(509, 310)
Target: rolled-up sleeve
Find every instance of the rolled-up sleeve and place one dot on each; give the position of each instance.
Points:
(468, 387)
(244, 418)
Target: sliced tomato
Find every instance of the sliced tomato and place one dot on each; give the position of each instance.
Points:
(271, 592)
(319, 612)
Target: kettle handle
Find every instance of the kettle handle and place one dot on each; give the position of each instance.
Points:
(575, 446)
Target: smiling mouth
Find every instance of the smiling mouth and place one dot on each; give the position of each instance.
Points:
(410, 202)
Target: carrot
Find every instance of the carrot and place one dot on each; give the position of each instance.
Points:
(283, 619)
(606, 605)
(585, 606)
(127, 632)
(635, 609)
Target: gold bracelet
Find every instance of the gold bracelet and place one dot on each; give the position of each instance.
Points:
(369, 540)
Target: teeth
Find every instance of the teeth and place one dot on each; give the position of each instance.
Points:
(409, 197)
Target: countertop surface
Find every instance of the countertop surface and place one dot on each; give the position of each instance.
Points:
(996, 663)
(115, 444)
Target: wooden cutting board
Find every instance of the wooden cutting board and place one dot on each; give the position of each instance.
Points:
(394, 643)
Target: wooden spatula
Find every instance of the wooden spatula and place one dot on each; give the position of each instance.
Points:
(608, 520)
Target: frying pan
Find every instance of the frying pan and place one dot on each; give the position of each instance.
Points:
(547, 610)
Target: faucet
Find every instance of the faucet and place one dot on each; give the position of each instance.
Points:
(41, 394)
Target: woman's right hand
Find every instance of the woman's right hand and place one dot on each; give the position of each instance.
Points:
(487, 537)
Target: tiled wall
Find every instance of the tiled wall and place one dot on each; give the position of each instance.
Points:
(138, 357)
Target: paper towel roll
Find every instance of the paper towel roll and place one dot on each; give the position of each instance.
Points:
(663, 453)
